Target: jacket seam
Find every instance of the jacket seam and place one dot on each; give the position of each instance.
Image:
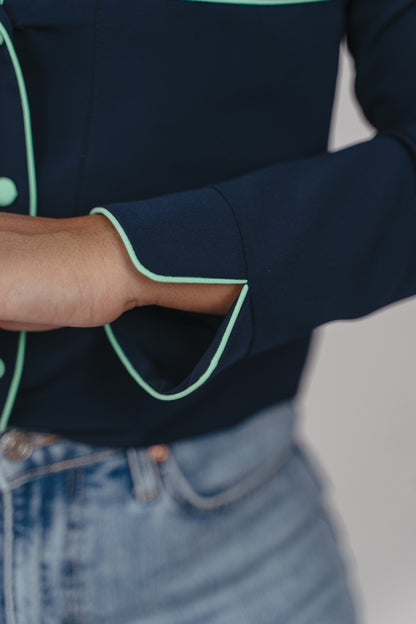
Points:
(245, 262)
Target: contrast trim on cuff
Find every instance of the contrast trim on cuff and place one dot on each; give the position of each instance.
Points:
(233, 313)
(157, 276)
(202, 379)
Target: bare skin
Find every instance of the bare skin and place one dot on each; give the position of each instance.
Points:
(76, 272)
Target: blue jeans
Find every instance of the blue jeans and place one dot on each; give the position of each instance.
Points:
(225, 528)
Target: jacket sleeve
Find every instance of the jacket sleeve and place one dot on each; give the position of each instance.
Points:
(312, 240)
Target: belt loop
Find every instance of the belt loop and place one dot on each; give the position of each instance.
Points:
(144, 474)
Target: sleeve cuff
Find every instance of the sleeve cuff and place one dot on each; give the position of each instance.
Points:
(187, 236)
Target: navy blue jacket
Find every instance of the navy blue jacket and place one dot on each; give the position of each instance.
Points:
(199, 128)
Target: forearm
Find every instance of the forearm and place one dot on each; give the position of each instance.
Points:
(62, 272)
(76, 272)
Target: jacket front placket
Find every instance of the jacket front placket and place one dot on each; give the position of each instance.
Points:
(17, 191)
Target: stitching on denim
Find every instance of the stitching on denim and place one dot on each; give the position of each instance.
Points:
(8, 588)
(134, 472)
(132, 463)
(148, 468)
(183, 493)
(66, 555)
(72, 585)
(62, 465)
(77, 526)
(139, 483)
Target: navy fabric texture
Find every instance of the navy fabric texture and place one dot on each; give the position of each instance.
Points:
(202, 128)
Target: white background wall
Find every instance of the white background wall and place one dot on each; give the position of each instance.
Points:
(358, 401)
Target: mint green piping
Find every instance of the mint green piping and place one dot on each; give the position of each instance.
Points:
(14, 385)
(212, 365)
(258, 1)
(156, 276)
(164, 278)
(21, 347)
(26, 120)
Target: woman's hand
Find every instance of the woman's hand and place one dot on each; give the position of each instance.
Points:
(65, 272)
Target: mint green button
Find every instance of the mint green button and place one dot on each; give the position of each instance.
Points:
(2, 368)
(8, 191)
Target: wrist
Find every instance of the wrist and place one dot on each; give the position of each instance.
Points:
(139, 290)
(136, 288)
(197, 297)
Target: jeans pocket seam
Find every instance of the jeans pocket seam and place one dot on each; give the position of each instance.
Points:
(182, 492)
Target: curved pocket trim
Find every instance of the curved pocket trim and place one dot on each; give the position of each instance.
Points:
(185, 495)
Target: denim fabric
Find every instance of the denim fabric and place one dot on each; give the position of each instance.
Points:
(225, 528)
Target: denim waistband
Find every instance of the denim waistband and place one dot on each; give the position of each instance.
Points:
(27, 454)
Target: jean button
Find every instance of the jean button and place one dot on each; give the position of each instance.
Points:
(16, 445)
